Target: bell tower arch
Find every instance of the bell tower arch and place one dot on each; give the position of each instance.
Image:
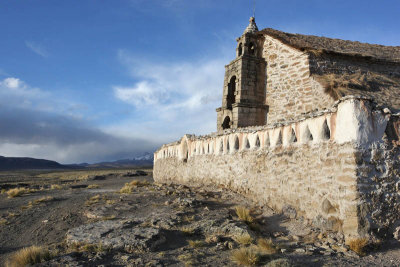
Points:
(243, 99)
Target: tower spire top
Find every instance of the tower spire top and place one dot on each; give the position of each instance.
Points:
(254, 8)
(252, 28)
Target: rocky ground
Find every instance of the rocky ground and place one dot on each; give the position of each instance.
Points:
(91, 223)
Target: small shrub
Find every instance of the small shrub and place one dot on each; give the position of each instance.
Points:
(55, 187)
(93, 186)
(267, 246)
(245, 256)
(197, 243)
(358, 245)
(244, 239)
(28, 256)
(3, 191)
(3, 221)
(244, 214)
(16, 192)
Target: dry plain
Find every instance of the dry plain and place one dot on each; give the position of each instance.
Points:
(122, 218)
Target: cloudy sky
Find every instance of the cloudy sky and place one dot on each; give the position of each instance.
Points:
(94, 80)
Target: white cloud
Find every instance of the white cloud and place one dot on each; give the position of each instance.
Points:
(11, 83)
(12, 86)
(176, 98)
(143, 93)
(37, 48)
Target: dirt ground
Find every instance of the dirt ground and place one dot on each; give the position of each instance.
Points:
(88, 222)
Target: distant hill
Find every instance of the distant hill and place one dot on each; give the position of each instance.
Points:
(123, 163)
(16, 163)
(22, 163)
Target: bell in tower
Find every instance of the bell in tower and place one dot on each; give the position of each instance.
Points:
(243, 98)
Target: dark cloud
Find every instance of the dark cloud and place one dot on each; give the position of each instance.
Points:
(76, 139)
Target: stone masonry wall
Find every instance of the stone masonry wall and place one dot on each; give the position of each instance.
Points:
(291, 91)
(317, 181)
(337, 169)
(378, 171)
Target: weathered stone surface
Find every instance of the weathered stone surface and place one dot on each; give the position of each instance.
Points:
(117, 234)
(396, 233)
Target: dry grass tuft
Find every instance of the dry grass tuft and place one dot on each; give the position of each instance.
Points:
(16, 192)
(56, 187)
(187, 230)
(244, 239)
(358, 245)
(244, 214)
(111, 201)
(3, 221)
(93, 186)
(339, 85)
(129, 187)
(108, 218)
(187, 218)
(266, 246)
(28, 256)
(187, 259)
(197, 243)
(245, 256)
(83, 247)
(37, 201)
(93, 200)
(43, 199)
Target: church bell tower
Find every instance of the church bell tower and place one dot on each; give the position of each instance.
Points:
(243, 98)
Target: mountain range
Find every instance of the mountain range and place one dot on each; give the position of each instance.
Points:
(25, 163)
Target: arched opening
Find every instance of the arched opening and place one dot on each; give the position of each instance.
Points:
(227, 146)
(307, 135)
(221, 147)
(231, 92)
(293, 138)
(185, 151)
(236, 143)
(247, 143)
(326, 133)
(252, 49)
(267, 141)
(279, 141)
(257, 144)
(208, 148)
(227, 123)
(240, 50)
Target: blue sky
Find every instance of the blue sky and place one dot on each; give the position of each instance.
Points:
(91, 80)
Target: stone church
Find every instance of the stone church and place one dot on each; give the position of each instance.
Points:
(307, 123)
